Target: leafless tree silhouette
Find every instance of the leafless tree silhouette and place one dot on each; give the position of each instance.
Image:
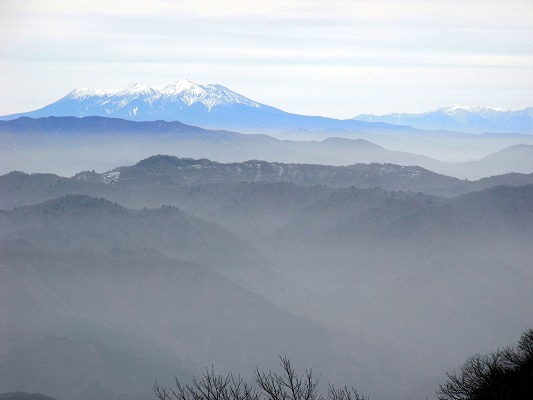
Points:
(504, 374)
(287, 385)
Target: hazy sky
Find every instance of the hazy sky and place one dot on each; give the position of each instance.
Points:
(332, 58)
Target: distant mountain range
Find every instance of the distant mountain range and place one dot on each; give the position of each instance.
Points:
(29, 144)
(208, 106)
(217, 107)
(462, 119)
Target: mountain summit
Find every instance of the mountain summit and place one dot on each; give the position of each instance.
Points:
(180, 100)
(158, 97)
(210, 106)
(474, 119)
(150, 101)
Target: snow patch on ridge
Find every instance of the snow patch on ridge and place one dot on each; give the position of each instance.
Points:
(110, 177)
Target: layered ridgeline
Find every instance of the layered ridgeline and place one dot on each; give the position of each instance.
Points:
(462, 119)
(98, 301)
(385, 290)
(162, 179)
(209, 106)
(66, 145)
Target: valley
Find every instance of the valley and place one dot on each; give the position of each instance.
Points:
(354, 269)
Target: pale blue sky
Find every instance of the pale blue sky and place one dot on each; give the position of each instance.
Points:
(332, 58)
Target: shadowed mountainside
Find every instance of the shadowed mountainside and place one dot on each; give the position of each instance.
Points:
(117, 319)
(160, 180)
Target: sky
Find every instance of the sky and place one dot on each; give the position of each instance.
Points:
(336, 58)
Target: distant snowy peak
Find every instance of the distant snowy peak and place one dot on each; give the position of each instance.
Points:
(470, 109)
(209, 95)
(475, 119)
(183, 91)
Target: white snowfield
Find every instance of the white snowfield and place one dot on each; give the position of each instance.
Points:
(476, 109)
(183, 90)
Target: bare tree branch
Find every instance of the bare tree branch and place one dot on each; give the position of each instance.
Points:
(285, 386)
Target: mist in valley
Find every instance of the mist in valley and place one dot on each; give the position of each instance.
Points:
(115, 279)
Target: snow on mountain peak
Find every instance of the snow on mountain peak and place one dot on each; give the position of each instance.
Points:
(133, 89)
(83, 93)
(179, 86)
(472, 109)
(182, 90)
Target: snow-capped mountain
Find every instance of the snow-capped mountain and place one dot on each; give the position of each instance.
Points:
(180, 100)
(157, 97)
(209, 106)
(144, 101)
(463, 119)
